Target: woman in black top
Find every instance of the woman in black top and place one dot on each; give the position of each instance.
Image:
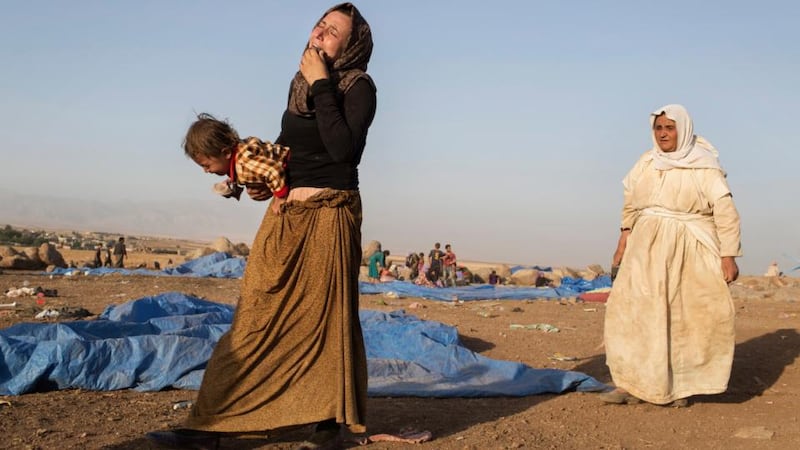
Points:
(295, 353)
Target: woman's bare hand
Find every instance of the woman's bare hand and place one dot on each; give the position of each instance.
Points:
(730, 271)
(621, 244)
(275, 206)
(312, 66)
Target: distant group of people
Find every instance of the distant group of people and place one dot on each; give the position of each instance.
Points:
(120, 253)
(441, 269)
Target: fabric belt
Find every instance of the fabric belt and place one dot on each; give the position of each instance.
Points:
(700, 225)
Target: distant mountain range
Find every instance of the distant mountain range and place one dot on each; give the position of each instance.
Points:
(202, 219)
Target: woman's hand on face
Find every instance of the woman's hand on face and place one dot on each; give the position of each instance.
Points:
(259, 192)
(730, 271)
(312, 66)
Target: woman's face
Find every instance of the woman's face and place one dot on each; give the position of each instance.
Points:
(665, 133)
(331, 34)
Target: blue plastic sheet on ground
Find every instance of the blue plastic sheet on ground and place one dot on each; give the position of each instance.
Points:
(223, 265)
(217, 265)
(165, 341)
(570, 287)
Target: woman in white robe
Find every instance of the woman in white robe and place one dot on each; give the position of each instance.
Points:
(669, 330)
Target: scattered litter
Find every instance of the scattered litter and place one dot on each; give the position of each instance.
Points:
(65, 312)
(758, 432)
(8, 305)
(391, 294)
(46, 292)
(590, 309)
(48, 314)
(408, 436)
(546, 327)
(416, 305)
(29, 291)
(486, 314)
(562, 357)
(183, 404)
(20, 292)
(5, 403)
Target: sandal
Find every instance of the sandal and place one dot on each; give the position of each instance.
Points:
(679, 403)
(618, 397)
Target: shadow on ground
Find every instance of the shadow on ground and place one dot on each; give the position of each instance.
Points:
(757, 365)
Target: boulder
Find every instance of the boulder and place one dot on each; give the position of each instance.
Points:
(32, 253)
(200, 252)
(597, 269)
(50, 256)
(222, 244)
(480, 274)
(525, 277)
(587, 275)
(363, 274)
(241, 249)
(20, 262)
(7, 251)
(504, 270)
(368, 250)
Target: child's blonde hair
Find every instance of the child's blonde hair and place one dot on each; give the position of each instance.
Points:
(209, 136)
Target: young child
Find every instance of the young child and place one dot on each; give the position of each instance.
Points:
(216, 147)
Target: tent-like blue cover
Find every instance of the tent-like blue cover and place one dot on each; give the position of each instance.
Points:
(223, 265)
(570, 287)
(217, 265)
(164, 341)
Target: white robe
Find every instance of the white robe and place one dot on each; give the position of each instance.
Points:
(669, 328)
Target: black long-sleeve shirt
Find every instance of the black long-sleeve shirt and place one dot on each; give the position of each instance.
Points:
(326, 149)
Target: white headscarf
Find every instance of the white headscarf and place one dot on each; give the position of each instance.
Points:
(691, 152)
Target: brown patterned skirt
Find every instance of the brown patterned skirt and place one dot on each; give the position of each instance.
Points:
(294, 354)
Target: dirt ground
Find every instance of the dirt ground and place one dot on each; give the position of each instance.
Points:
(759, 411)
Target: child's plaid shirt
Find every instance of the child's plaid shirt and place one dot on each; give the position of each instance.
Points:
(259, 162)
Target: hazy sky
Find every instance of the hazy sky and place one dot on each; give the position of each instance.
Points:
(503, 128)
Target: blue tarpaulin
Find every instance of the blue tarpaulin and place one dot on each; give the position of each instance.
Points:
(223, 265)
(164, 341)
(217, 265)
(570, 287)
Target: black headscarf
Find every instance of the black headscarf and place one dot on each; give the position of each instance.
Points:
(346, 70)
